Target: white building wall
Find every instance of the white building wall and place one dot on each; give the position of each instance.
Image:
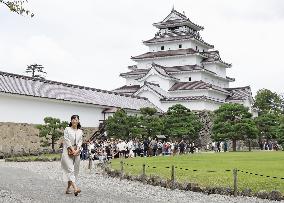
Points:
(152, 97)
(170, 46)
(175, 46)
(212, 106)
(217, 95)
(170, 61)
(198, 46)
(26, 109)
(206, 77)
(216, 68)
(184, 77)
(209, 93)
(165, 84)
(209, 79)
(188, 93)
(193, 105)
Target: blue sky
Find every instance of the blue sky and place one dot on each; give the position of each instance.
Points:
(90, 42)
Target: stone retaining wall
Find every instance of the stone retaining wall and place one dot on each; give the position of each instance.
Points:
(206, 118)
(19, 138)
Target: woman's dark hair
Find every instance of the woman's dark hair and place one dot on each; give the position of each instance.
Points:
(74, 117)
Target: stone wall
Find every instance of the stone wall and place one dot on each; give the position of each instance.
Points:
(19, 138)
(206, 118)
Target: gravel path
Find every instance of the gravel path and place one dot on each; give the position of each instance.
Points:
(42, 182)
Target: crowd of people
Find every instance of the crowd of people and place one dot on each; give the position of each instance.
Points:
(117, 148)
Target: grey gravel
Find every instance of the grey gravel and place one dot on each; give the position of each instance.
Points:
(42, 182)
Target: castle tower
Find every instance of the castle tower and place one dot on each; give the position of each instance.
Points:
(180, 67)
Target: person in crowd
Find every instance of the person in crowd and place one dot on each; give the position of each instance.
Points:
(160, 147)
(136, 150)
(131, 148)
(175, 148)
(84, 151)
(181, 147)
(146, 147)
(225, 146)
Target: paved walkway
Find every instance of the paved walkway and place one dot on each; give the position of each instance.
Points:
(19, 185)
(25, 182)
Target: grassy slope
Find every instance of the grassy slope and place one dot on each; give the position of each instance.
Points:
(266, 163)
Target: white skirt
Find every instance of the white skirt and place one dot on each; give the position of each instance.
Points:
(70, 166)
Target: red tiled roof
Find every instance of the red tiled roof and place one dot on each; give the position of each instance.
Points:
(169, 70)
(167, 53)
(135, 72)
(239, 93)
(196, 85)
(176, 36)
(160, 70)
(191, 98)
(174, 69)
(29, 86)
(156, 88)
(232, 79)
(127, 89)
(213, 56)
(183, 19)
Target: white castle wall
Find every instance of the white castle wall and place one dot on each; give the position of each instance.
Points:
(188, 93)
(184, 77)
(175, 46)
(152, 97)
(209, 78)
(25, 109)
(193, 105)
(170, 61)
(165, 84)
(216, 68)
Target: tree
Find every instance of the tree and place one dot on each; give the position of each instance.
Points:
(248, 130)
(118, 125)
(51, 131)
(17, 6)
(268, 101)
(280, 132)
(151, 124)
(135, 127)
(35, 68)
(180, 122)
(268, 125)
(148, 111)
(232, 122)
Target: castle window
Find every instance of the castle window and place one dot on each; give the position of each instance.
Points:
(180, 46)
(162, 47)
(196, 47)
(189, 79)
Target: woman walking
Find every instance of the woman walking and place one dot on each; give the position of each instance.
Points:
(70, 161)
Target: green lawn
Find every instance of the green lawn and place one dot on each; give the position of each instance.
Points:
(261, 163)
(42, 157)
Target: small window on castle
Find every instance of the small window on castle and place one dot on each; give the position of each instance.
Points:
(162, 47)
(196, 47)
(180, 46)
(189, 79)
